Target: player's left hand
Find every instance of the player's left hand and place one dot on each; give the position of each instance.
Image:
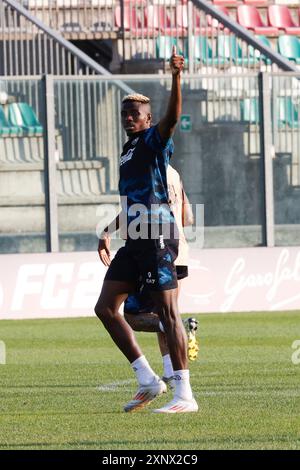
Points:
(176, 62)
(104, 249)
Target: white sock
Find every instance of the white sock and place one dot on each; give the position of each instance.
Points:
(168, 368)
(143, 371)
(182, 384)
(161, 327)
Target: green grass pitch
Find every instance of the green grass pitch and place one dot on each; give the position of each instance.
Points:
(65, 383)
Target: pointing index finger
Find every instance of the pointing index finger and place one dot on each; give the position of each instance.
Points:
(174, 50)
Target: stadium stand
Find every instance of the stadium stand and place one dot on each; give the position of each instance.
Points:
(214, 23)
(230, 51)
(222, 96)
(156, 19)
(202, 51)
(97, 26)
(249, 16)
(132, 21)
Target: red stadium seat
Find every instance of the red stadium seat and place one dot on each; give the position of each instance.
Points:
(249, 17)
(132, 21)
(135, 2)
(257, 3)
(198, 25)
(225, 2)
(280, 17)
(213, 22)
(156, 18)
(182, 18)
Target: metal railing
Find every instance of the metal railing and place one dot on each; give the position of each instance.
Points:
(88, 108)
(30, 47)
(77, 19)
(143, 33)
(286, 124)
(242, 144)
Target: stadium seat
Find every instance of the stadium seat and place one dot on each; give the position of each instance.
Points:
(255, 53)
(289, 47)
(182, 20)
(164, 45)
(6, 129)
(280, 17)
(213, 22)
(4, 125)
(136, 2)
(230, 50)
(287, 113)
(249, 17)
(225, 2)
(250, 110)
(257, 3)
(22, 115)
(132, 21)
(202, 51)
(156, 18)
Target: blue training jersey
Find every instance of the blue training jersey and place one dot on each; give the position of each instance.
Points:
(143, 177)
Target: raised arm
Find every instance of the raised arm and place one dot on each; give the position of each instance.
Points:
(167, 124)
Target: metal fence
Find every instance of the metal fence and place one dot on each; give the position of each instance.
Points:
(77, 18)
(141, 35)
(30, 47)
(237, 150)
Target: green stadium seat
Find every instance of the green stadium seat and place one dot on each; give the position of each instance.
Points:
(287, 113)
(289, 47)
(250, 110)
(6, 129)
(230, 50)
(22, 115)
(164, 45)
(202, 51)
(255, 53)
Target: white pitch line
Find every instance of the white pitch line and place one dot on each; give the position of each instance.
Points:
(111, 387)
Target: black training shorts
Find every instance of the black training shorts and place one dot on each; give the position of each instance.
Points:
(150, 262)
(141, 301)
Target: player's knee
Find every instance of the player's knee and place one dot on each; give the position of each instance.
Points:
(104, 312)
